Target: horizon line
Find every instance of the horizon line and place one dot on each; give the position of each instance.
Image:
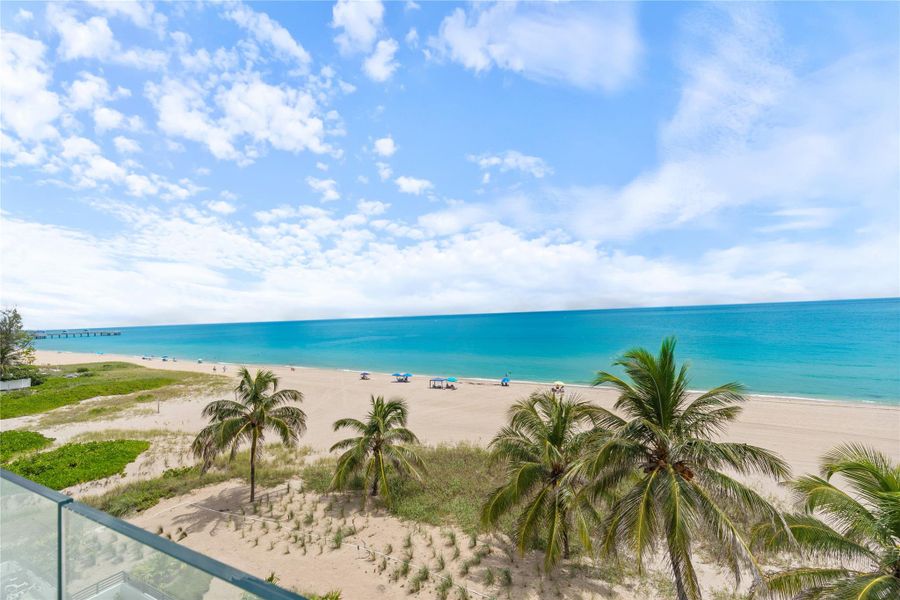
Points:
(479, 314)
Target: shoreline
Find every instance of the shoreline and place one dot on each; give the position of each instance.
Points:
(158, 363)
(800, 430)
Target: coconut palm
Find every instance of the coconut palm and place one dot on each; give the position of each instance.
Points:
(542, 448)
(383, 446)
(857, 528)
(258, 406)
(671, 471)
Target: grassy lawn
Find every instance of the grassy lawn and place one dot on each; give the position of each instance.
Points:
(279, 465)
(16, 441)
(72, 464)
(452, 490)
(91, 380)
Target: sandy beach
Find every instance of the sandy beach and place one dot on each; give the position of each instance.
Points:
(801, 430)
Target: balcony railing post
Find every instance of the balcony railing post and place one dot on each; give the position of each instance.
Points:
(60, 550)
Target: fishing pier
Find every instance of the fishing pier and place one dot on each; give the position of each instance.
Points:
(49, 335)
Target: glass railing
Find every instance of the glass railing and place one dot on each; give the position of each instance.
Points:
(53, 548)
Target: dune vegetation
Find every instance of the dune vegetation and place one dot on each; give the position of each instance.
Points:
(71, 384)
(71, 464)
(16, 442)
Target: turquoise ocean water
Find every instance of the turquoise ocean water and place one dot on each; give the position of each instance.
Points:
(834, 349)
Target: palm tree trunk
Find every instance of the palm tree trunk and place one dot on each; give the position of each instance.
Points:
(565, 533)
(680, 592)
(253, 467)
(375, 478)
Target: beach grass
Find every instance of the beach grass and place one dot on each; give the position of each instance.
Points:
(90, 380)
(16, 442)
(278, 465)
(72, 464)
(452, 490)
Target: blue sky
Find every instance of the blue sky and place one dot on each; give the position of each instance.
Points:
(203, 162)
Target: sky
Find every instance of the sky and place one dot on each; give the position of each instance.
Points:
(227, 161)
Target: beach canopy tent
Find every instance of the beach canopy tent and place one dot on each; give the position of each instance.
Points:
(436, 383)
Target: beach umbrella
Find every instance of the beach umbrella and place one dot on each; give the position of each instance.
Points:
(397, 375)
(559, 383)
(451, 379)
(407, 374)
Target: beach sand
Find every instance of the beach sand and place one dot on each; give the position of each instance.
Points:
(801, 430)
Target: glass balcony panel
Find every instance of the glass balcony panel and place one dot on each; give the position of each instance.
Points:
(28, 544)
(104, 564)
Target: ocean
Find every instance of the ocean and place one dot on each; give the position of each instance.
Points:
(847, 349)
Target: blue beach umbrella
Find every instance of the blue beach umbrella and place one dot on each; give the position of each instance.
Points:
(407, 374)
(397, 375)
(451, 379)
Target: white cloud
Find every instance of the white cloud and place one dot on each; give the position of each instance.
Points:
(94, 39)
(359, 23)
(800, 219)
(380, 66)
(384, 170)
(412, 38)
(513, 160)
(23, 16)
(88, 168)
(271, 33)
(284, 212)
(587, 45)
(106, 119)
(411, 185)
(385, 146)
(126, 145)
(221, 207)
(142, 14)
(371, 208)
(88, 91)
(326, 187)
(171, 262)
(250, 111)
(29, 107)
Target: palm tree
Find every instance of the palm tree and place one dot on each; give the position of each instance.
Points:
(670, 470)
(859, 528)
(542, 448)
(259, 406)
(384, 445)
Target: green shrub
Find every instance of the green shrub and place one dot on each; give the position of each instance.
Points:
(25, 372)
(17, 441)
(72, 464)
(452, 490)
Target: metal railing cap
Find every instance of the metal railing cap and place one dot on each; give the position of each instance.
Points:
(35, 488)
